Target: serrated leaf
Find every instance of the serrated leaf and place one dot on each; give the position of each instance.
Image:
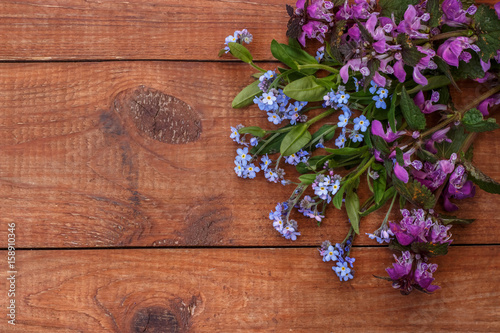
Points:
(253, 130)
(240, 52)
(435, 11)
(445, 68)
(379, 143)
(430, 249)
(488, 24)
(416, 193)
(307, 179)
(474, 122)
(305, 89)
(480, 179)
(246, 96)
(448, 219)
(470, 70)
(352, 208)
(294, 140)
(398, 7)
(414, 117)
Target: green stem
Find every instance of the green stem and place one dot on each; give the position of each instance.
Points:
(389, 211)
(265, 144)
(460, 112)
(257, 67)
(328, 131)
(320, 116)
(318, 66)
(449, 34)
(363, 169)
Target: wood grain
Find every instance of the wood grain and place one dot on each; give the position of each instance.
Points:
(77, 171)
(246, 290)
(136, 29)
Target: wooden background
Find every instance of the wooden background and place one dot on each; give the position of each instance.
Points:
(123, 225)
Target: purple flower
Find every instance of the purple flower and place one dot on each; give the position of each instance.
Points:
(484, 105)
(452, 48)
(458, 188)
(415, 227)
(427, 106)
(433, 175)
(411, 24)
(497, 9)
(382, 234)
(409, 272)
(454, 15)
(378, 130)
(438, 136)
(401, 173)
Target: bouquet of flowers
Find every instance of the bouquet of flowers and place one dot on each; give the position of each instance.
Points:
(378, 87)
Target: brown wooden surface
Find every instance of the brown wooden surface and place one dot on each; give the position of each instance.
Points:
(247, 290)
(89, 159)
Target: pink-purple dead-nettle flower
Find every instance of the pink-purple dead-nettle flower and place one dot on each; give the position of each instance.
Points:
(373, 99)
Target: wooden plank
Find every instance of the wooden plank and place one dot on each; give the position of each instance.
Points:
(77, 171)
(245, 290)
(136, 29)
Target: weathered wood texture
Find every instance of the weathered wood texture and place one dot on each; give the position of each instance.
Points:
(89, 159)
(246, 290)
(136, 29)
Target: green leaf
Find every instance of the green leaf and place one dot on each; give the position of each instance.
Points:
(379, 144)
(445, 68)
(480, 179)
(488, 24)
(389, 193)
(246, 96)
(392, 110)
(416, 193)
(292, 56)
(448, 219)
(254, 130)
(435, 11)
(430, 249)
(399, 156)
(307, 179)
(272, 146)
(240, 52)
(379, 184)
(470, 70)
(457, 136)
(398, 7)
(337, 198)
(352, 208)
(293, 42)
(347, 151)
(411, 55)
(297, 138)
(414, 117)
(433, 82)
(473, 122)
(311, 164)
(306, 89)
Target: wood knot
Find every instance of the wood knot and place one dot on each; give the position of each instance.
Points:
(160, 116)
(154, 320)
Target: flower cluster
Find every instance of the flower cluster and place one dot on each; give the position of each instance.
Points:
(340, 254)
(238, 37)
